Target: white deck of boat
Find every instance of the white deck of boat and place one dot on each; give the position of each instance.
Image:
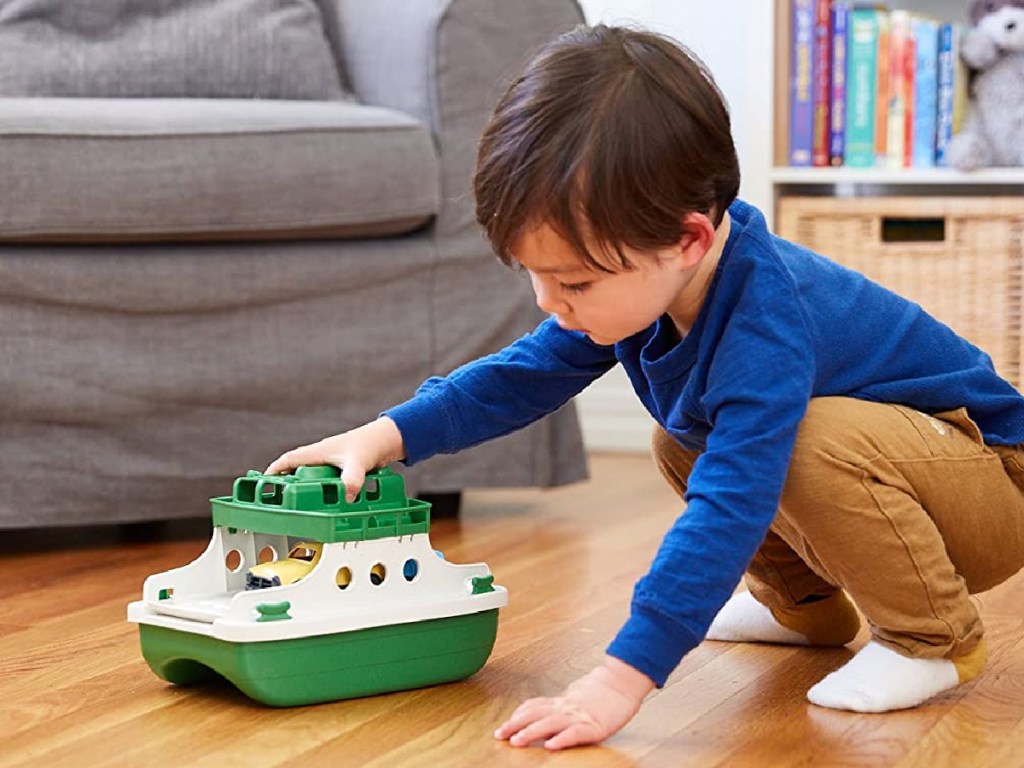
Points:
(204, 608)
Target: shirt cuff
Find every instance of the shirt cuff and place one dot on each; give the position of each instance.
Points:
(652, 644)
(423, 426)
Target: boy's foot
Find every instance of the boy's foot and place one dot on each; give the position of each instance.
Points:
(832, 621)
(744, 620)
(878, 679)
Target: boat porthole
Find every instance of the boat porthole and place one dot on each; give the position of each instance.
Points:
(343, 578)
(410, 569)
(234, 561)
(267, 555)
(377, 574)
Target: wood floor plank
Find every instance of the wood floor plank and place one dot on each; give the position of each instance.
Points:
(75, 691)
(972, 732)
(59, 582)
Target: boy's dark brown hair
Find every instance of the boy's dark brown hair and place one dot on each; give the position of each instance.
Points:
(610, 136)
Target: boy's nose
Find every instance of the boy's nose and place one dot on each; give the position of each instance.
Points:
(549, 305)
(548, 300)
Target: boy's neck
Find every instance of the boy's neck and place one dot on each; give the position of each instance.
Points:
(692, 297)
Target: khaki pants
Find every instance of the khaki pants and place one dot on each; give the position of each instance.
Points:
(908, 513)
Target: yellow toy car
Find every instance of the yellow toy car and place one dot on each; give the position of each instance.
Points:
(300, 561)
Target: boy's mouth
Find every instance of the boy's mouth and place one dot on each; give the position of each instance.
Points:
(566, 327)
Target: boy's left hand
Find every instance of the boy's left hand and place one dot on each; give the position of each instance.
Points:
(590, 710)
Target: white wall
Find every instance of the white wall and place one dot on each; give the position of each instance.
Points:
(734, 38)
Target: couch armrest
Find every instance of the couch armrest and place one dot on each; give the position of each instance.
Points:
(446, 62)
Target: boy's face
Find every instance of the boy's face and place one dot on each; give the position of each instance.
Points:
(609, 307)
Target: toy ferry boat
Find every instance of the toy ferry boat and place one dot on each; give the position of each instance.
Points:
(302, 597)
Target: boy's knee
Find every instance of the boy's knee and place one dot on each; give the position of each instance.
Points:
(674, 461)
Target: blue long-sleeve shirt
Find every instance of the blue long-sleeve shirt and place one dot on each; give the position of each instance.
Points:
(779, 325)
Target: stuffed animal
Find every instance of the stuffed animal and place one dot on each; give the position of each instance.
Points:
(993, 133)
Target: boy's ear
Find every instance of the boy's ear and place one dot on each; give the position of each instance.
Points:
(698, 237)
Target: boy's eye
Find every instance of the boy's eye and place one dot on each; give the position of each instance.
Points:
(575, 287)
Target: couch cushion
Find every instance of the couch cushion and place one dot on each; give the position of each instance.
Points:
(166, 48)
(140, 170)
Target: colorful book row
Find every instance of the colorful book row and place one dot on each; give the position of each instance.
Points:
(872, 87)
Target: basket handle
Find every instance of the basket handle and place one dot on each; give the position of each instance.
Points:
(910, 229)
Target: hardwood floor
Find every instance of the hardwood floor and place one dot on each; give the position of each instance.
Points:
(74, 689)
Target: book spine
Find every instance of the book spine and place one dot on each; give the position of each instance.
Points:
(882, 91)
(961, 78)
(822, 80)
(899, 32)
(837, 133)
(948, 48)
(801, 120)
(909, 78)
(861, 85)
(926, 88)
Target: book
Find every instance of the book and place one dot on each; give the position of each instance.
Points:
(961, 81)
(822, 75)
(899, 34)
(837, 133)
(882, 92)
(925, 34)
(861, 87)
(949, 47)
(909, 76)
(801, 120)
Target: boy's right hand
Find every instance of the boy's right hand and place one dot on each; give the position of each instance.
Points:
(355, 452)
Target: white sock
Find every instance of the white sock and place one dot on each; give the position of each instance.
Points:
(744, 620)
(879, 680)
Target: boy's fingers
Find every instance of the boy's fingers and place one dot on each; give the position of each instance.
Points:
(576, 734)
(522, 723)
(543, 728)
(524, 714)
(353, 473)
(277, 465)
(290, 460)
(353, 476)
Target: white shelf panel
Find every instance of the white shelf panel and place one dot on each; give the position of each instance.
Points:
(938, 176)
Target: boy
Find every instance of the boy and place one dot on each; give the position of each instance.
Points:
(829, 438)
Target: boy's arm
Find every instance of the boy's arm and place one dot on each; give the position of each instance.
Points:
(500, 393)
(697, 566)
(759, 385)
(733, 496)
(486, 398)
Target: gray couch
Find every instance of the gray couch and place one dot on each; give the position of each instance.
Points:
(224, 236)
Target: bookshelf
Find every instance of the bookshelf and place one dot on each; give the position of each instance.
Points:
(951, 241)
(941, 177)
(846, 181)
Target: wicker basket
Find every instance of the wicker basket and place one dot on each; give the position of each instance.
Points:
(962, 259)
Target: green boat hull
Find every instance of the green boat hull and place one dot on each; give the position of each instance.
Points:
(310, 670)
